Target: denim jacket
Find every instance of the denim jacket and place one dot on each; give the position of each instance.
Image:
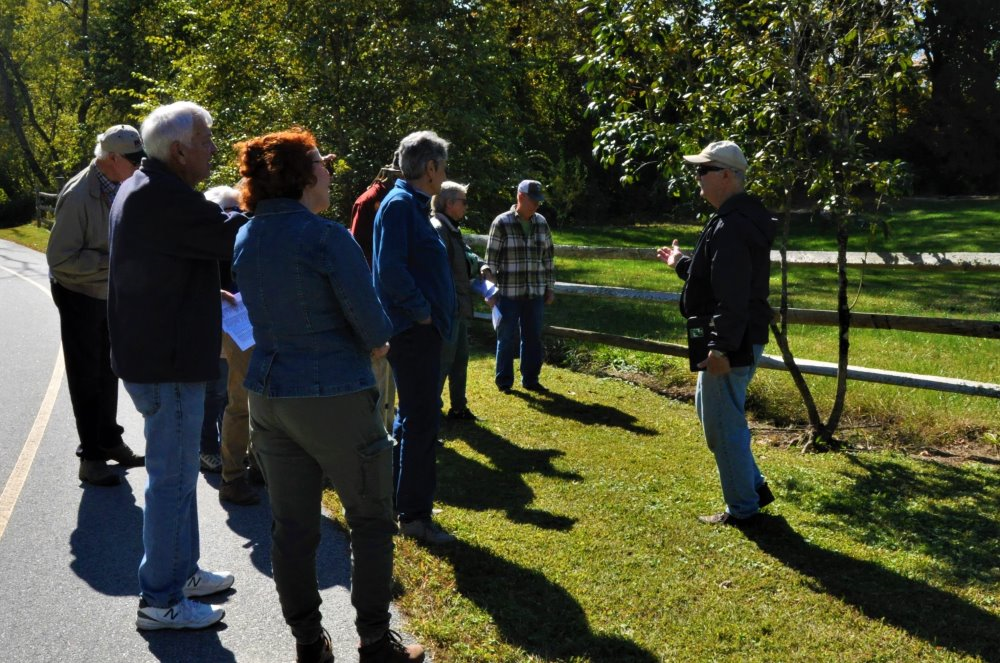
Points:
(309, 295)
(410, 264)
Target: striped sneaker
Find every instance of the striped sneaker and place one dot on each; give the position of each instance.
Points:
(186, 614)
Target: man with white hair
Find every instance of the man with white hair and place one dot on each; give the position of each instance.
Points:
(413, 282)
(725, 298)
(78, 266)
(165, 323)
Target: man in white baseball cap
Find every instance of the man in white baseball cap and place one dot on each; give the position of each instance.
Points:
(725, 297)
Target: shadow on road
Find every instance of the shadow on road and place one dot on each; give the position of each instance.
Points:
(107, 542)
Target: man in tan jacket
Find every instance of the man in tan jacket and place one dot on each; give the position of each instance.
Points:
(78, 267)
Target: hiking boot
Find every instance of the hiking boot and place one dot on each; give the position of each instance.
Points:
(238, 491)
(98, 473)
(203, 583)
(320, 651)
(765, 495)
(183, 614)
(426, 531)
(390, 649)
(461, 413)
(124, 456)
(210, 462)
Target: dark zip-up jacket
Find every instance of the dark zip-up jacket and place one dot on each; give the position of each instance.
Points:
(164, 310)
(727, 276)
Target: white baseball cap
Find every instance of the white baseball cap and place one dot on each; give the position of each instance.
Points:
(723, 152)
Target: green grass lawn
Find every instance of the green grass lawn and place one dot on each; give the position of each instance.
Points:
(575, 513)
(27, 235)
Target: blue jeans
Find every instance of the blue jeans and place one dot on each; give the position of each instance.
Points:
(215, 405)
(720, 401)
(173, 414)
(520, 324)
(455, 363)
(415, 356)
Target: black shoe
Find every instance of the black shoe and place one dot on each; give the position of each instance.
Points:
(390, 649)
(765, 495)
(504, 390)
(320, 651)
(537, 388)
(97, 473)
(238, 491)
(462, 413)
(124, 456)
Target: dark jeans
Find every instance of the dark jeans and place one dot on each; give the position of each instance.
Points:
(215, 406)
(519, 331)
(93, 386)
(415, 356)
(297, 442)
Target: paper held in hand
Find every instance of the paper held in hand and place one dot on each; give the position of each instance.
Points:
(236, 323)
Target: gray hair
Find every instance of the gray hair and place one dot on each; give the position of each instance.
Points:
(99, 152)
(223, 196)
(417, 150)
(166, 124)
(449, 193)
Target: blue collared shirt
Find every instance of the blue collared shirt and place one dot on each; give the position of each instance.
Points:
(410, 263)
(309, 295)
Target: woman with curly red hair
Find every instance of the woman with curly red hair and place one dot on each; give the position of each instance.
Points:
(317, 325)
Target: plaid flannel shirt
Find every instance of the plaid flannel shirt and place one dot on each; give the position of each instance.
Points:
(521, 265)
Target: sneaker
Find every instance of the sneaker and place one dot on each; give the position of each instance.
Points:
(320, 651)
(426, 531)
(390, 649)
(184, 614)
(238, 491)
(124, 456)
(726, 518)
(765, 495)
(97, 473)
(211, 463)
(537, 388)
(203, 583)
(461, 413)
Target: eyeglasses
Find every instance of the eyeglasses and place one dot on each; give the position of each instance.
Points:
(327, 162)
(135, 159)
(705, 170)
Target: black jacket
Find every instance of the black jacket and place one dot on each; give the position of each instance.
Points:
(727, 276)
(164, 311)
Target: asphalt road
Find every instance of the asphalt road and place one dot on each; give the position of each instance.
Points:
(69, 552)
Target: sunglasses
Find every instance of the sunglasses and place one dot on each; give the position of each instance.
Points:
(327, 162)
(704, 170)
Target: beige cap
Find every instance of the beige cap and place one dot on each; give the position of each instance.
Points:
(121, 139)
(724, 152)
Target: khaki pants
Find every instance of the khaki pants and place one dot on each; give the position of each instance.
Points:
(386, 391)
(236, 419)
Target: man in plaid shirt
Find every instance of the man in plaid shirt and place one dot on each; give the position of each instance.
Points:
(519, 254)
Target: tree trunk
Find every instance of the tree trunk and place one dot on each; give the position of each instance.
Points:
(844, 317)
(7, 82)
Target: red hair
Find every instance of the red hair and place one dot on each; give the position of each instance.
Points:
(276, 165)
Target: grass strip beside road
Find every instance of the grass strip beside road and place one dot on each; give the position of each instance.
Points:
(578, 542)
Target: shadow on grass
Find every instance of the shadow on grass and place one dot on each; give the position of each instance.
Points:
(501, 487)
(590, 414)
(923, 611)
(955, 522)
(532, 612)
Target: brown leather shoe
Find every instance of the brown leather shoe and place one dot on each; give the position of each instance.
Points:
(390, 649)
(124, 456)
(98, 473)
(238, 491)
